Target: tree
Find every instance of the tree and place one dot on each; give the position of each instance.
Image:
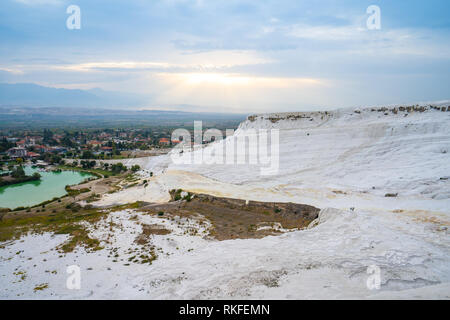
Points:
(66, 141)
(18, 172)
(118, 168)
(55, 159)
(5, 145)
(36, 175)
(135, 168)
(48, 137)
(87, 155)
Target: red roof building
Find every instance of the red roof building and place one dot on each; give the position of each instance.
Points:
(32, 154)
(164, 141)
(94, 143)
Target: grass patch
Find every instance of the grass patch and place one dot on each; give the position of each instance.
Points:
(41, 287)
(93, 197)
(64, 222)
(175, 194)
(80, 237)
(99, 173)
(134, 205)
(75, 192)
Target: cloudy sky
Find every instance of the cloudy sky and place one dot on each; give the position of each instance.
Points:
(233, 55)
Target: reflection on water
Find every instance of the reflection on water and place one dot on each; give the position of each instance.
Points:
(51, 185)
(35, 183)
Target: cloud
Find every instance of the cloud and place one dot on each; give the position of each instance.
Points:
(9, 70)
(272, 55)
(237, 80)
(326, 33)
(203, 61)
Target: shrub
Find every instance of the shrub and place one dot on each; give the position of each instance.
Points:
(135, 168)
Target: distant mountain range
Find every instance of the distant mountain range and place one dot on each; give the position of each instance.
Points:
(13, 117)
(26, 105)
(33, 95)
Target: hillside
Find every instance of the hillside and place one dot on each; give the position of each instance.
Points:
(382, 172)
(364, 153)
(378, 175)
(33, 95)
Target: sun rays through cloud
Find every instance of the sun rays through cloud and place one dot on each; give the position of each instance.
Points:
(255, 55)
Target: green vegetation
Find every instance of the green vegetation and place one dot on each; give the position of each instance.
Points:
(134, 205)
(176, 195)
(188, 197)
(41, 287)
(99, 173)
(5, 145)
(18, 172)
(93, 197)
(88, 167)
(17, 175)
(79, 237)
(117, 168)
(135, 168)
(74, 192)
(88, 164)
(65, 221)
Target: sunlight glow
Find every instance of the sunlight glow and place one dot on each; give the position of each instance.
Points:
(231, 79)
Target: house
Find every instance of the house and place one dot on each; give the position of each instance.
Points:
(58, 149)
(21, 143)
(41, 164)
(164, 141)
(31, 141)
(106, 149)
(17, 152)
(119, 141)
(32, 155)
(94, 143)
(36, 139)
(57, 137)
